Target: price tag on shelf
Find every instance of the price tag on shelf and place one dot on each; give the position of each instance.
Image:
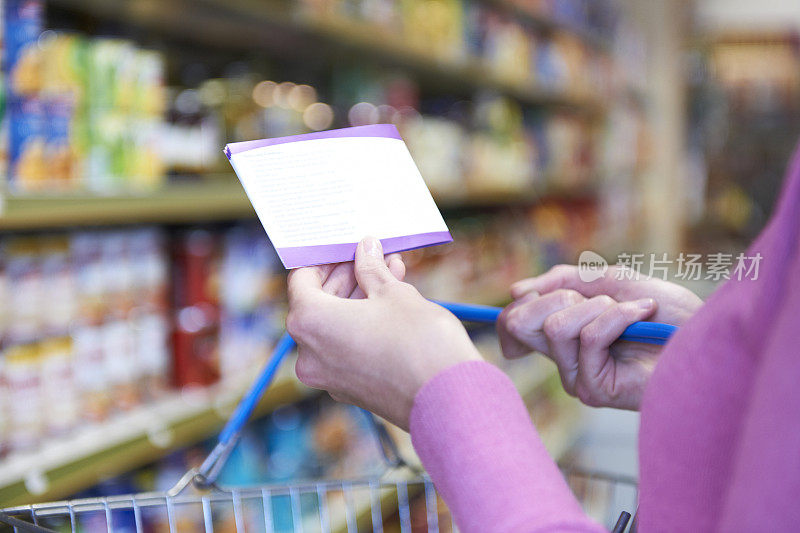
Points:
(36, 482)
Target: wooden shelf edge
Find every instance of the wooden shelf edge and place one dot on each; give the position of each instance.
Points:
(171, 204)
(200, 202)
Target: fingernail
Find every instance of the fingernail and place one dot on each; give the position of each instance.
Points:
(646, 303)
(372, 247)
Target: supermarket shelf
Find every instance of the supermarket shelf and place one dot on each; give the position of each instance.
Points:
(546, 23)
(464, 71)
(276, 26)
(64, 466)
(174, 203)
(221, 199)
(514, 198)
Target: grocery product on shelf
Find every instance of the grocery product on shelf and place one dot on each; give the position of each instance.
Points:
(89, 316)
(23, 392)
(227, 295)
(82, 113)
(252, 287)
(491, 251)
(196, 269)
(125, 103)
(71, 343)
(22, 61)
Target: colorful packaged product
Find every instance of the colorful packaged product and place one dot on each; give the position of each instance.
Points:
(196, 308)
(25, 296)
(122, 367)
(22, 56)
(25, 398)
(91, 372)
(26, 151)
(58, 285)
(59, 393)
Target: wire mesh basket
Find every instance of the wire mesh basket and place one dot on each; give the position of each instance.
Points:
(398, 502)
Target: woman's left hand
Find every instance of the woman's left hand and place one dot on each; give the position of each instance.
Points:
(368, 338)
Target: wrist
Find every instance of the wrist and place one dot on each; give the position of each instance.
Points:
(443, 361)
(439, 361)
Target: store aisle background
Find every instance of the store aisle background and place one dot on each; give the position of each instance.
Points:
(141, 294)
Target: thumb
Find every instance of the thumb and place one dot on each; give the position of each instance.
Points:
(370, 268)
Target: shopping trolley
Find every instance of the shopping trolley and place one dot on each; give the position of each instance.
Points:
(402, 499)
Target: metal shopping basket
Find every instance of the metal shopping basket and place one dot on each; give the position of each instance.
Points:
(403, 499)
(395, 502)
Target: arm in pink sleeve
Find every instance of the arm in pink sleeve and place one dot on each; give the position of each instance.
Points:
(476, 440)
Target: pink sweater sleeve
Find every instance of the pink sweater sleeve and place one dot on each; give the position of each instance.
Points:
(476, 440)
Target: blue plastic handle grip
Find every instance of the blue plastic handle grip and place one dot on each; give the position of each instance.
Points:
(646, 332)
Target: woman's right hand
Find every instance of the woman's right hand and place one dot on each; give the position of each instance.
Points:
(577, 323)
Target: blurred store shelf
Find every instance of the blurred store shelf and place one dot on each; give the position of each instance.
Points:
(69, 464)
(547, 23)
(466, 71)
(203, 201)
(175, 203)
(273, 25)
(513, 198)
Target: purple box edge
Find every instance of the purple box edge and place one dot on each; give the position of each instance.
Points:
(300, 256)
(372, 130)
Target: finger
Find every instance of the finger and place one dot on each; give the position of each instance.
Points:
(525, 319)
(511, 347)
(325, 270)
(341, 281)
(551, 280)
(371, 270)
(562, 330)
(303, 282)
(307, 369)
(568, 277)
(597, 336)
(398, 271)
(357, 294)
(396, 266)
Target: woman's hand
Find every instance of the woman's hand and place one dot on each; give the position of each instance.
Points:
(366, 337)
(576, 324)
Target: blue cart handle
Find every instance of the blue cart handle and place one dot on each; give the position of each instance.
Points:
(647, 332)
